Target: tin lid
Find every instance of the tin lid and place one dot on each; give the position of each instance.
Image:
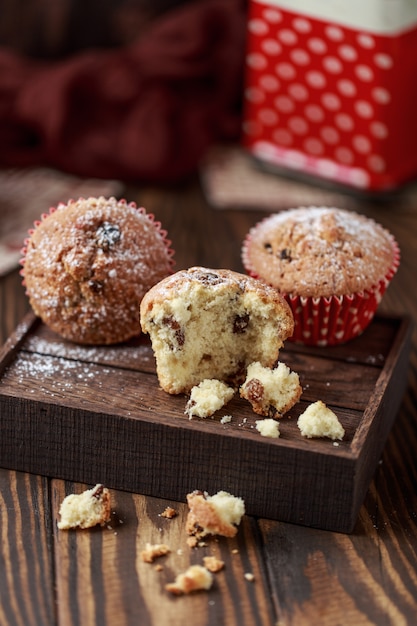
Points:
(377, 16)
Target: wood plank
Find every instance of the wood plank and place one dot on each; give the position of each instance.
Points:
(101, 578)
(26, 563)
(371, 573)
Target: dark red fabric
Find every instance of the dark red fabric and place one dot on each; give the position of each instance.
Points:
(146, 111)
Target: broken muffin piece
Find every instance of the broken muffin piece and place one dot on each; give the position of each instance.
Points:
(208, 397)
(207, 323)
(219, 514)
(320, 421)
(154, 551)
(85, 510)
(195, 578)
(268, 427)
(271, 392)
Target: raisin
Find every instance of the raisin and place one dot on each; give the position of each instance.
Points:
(95, 286)
(176, 327)
(254, 391)
(240, 323)
(285, 254)
(272, 411)
(97, 492)
(107, 235)
(208, 278)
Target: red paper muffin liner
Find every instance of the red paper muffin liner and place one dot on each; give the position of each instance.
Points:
(328, 321)
(150, 216)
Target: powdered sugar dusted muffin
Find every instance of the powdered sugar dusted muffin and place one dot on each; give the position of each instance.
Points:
(88, 264)
(332, 266)
(210, 324)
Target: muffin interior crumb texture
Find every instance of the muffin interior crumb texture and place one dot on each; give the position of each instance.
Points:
(219, 514)
(84, 510)
(208, 397)
(210, 324)
(320, 421)
(271, 392)
(88, 264)
(268, 427)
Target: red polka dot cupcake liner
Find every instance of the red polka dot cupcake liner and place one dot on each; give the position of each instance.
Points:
(334, 320)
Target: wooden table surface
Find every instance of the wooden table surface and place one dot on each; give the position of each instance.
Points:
(301, 576)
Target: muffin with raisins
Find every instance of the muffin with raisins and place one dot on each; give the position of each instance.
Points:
(87, 265)
(211, 324)
(332, 266)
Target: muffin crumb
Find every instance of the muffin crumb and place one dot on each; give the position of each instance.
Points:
(320, 421)
(219, 514)
(213, 564)
(195, 578)
(268, 427)
(271, 392)
(85, 510)
(154, 551)
(208, 397)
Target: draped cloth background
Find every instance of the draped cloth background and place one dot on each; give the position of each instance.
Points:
(145, 110)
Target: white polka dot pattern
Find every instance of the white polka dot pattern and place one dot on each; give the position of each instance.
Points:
(325, 98)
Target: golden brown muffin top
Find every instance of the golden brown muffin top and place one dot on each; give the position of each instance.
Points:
(314, 251)
(89, 263)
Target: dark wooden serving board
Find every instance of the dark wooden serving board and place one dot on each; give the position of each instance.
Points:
(97, 414)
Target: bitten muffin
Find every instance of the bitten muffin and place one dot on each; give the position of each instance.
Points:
(332, 266)
(210, 324)
(88, 264)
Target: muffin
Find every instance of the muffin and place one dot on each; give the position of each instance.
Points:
(88, 264)
(210, 324)
(331, 265)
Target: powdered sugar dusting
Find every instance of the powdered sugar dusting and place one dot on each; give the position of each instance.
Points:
(319, 251)
(88, 264)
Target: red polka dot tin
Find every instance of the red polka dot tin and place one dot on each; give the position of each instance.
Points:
(331, 89)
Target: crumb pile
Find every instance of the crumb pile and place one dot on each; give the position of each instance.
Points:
(88, 264)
